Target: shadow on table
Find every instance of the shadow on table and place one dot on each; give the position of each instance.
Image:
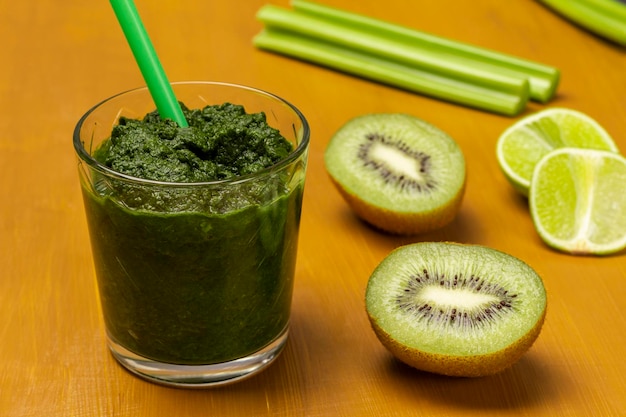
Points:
(466, 227)
(525, 384)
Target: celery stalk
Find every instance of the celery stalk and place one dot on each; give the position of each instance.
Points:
(543, 79)
(391, 73)
(426, 59)
(604, 18)
(611, 8)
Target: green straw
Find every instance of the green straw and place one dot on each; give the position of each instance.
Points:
(148, 61)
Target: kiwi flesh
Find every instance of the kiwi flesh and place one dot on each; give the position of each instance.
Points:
(397, 172)
(455, 309)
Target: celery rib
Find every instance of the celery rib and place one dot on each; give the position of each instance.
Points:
(612, 8)
(604, 18)
(392, 73)
(543, 78)
(398, 51)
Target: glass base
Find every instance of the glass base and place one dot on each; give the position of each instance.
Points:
(199, 376)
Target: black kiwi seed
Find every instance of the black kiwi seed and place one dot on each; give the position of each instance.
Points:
(409, 301)
(389, 175)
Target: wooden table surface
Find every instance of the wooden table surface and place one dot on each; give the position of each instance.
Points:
(61, 57)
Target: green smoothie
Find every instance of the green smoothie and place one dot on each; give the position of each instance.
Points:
(194, 274)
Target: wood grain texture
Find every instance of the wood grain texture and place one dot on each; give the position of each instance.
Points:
(60, 58)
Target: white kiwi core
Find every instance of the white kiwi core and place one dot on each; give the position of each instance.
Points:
(455, 298)
(397, 159)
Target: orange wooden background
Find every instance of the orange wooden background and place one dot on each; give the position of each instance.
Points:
(58, 58)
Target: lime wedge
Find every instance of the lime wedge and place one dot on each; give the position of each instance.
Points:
(578, 201)
(524, 143)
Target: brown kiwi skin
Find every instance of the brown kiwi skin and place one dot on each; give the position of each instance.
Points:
(460, 366)
(402, 223)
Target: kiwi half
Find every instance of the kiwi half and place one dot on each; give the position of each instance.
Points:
(397, 172)
(455, 309)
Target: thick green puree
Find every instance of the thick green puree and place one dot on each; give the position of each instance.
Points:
(221, 142)
(195, 274)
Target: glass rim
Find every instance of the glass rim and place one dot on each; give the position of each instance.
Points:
(103, 169)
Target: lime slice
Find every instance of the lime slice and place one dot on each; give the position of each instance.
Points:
(578, 200)
(524, 143)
